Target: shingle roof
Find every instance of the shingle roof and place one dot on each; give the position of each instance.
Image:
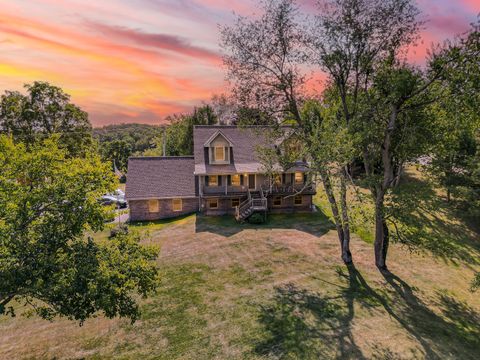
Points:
(245, 139)
(160, 177)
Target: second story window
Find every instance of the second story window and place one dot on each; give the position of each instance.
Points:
(219, 153)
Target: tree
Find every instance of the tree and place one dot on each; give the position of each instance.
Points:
(350, 40)
(178, 135)
(120, 141)
(264, 59)
(453, 158)
(45, 110)
(119, 151)
(48, 203)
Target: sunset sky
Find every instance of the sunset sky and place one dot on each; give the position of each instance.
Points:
(141, 60)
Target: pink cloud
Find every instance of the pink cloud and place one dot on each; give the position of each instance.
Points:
(173, 43)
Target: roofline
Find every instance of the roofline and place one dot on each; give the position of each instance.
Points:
(214, 136)
(161, 157)
(240, 126)
(160, 198)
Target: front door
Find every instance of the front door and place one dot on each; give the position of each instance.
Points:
(251, 181)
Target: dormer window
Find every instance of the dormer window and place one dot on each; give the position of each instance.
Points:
(219, 149)
(219, 153)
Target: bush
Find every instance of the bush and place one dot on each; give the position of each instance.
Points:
(122, 229)
(256, 218)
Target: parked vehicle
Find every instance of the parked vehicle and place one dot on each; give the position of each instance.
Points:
(116, 200)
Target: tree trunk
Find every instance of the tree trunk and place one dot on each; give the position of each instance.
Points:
(346, 254)
(381, 234)
(344, 246)
(448, 194)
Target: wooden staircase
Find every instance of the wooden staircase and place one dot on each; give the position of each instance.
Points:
(255, 202)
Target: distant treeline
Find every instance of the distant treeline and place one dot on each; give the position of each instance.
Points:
(118, 142)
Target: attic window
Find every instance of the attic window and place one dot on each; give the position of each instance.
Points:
(219, 153)
(298, 178)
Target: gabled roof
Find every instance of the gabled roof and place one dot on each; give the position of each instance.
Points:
(246, 141)
(214, 136)
(160, 177)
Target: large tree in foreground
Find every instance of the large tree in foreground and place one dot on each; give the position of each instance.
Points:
(264, 58)
(45, 110)
(48, 201)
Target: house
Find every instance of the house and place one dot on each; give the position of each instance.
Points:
(224, 176)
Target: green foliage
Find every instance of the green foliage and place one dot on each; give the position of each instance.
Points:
(118, 151)
(118, 142)
(117, 231)
(48, 201)
(45, 110)
(455, 157)
(179, 133)
(476, 282)
(256, 218)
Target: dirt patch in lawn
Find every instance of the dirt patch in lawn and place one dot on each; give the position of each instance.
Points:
(278, 290)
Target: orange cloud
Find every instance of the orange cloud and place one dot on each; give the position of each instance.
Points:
(141, 61)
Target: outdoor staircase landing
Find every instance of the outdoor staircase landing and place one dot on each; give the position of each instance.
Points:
(255, 202)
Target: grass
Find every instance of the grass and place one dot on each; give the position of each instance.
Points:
(275, 290)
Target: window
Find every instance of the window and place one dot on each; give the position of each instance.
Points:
(213, 203)
(235, 202)
(213, 180)
(219, 153)
(177, 204)
(298, 178)
(236, 180)
(153, 205)
(278, 179)
(298, 200)
(277, 201)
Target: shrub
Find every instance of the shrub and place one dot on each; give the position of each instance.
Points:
(122, 229)
(256, 218)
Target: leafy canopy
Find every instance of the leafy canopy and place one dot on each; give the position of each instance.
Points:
(48, 201)
(45, 110)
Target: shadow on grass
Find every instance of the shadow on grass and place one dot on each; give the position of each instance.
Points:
(159, 223)
(316, 223)
(427, 221)
(308, 325)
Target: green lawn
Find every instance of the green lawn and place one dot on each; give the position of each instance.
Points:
(277, 290)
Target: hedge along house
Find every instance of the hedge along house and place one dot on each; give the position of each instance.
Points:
(224, 176)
